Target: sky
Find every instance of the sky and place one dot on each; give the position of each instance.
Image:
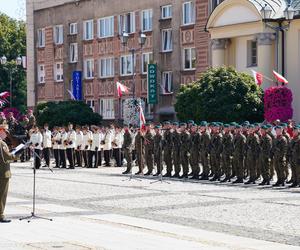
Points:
(13, 8)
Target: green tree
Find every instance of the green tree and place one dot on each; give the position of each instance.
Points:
(61, 113)
(221, 94)
(12, 45)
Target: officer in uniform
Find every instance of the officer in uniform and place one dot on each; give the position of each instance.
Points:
(175, 145)
(184, 150)
(167, 148)
(227, 153)
(139, 148)
(238, 154)
(195, 151)
(157, 141)
(5, 174)
(216, 152)
(204, 149)
(127, 149)
(295, 157)
(149, 148)
(265, 156)
(280, 150)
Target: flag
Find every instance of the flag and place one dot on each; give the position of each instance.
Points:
(280, 78)
(121, 89)
(71, 95)
(258, 77)
(142, 117)
(4, 95)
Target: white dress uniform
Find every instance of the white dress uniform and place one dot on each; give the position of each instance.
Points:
(86, 147)
(117, 145)
(47, 145)
(79, 148)
(62, 148)
(71, 147)
(107, 147)
(55, 146)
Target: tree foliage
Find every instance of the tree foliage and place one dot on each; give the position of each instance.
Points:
(221, 94)
(12, 45)
(61, 113)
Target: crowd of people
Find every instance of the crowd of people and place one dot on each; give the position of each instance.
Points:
(241, 153)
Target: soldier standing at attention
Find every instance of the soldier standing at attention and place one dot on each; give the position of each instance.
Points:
(5, 174)
(78, 151)
(280, 150)
(55, 143)
(184, 150)
(239, 153)
(227, 153)
(295, 157)
(71, 145)
(167, 148)
(127, 149)
(149, 147)
(252, 154)
(288, 138)
(265, 156)
(195, 151)
(269, 132)
(139, 148)
(47, 144)
(216, 151)
(175, 147)
(157, 140)
(204, 150)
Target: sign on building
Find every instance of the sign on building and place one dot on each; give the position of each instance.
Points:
(152, 83)
(77, 85)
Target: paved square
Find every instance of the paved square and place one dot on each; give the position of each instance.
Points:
(101, 209)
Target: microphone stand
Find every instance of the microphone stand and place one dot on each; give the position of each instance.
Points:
(33, 214)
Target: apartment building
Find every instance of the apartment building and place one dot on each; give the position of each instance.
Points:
(70, 39)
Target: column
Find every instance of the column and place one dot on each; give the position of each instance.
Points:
(265, 54)
(218, 52)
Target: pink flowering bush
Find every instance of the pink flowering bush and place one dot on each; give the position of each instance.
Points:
(278, 104)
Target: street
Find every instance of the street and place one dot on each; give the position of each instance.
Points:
(101, 209)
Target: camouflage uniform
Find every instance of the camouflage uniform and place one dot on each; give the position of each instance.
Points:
(176, 143)
(167, 149)
(139, 147)
(265, 157)
(127, 149)
(184, 152)
(149, 150)
(227, 154)
(194, 158)
(280, 150)
(252, 156)
(204, 153)
(295, 159)
(216, 146)
(158, 152)
(238, 155)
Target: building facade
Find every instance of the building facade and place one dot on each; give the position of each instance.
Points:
(241, 38)
(84, 35)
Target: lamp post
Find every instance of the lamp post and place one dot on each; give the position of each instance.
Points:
(11, 70)
(124, 40)
(266, 13)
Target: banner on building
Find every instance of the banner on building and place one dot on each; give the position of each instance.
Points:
(152, 83)
(77, 85)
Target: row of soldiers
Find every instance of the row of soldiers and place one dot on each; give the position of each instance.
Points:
(214, 150)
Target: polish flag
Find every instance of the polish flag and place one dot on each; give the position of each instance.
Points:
(4, 94)
(121, 89)
(142, 117)
(280, 78)
(258, 77)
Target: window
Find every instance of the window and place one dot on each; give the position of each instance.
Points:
(146, 21)
(73, 29)
(189, 58)
(167, 40)
(73, 52)
(215, 3)
(146, 59)
(107, 109)
(91, 104)
(88, 30)
(58, 34)
(58, 72)
(106, 67)
(106, 27)
(188, 13)
(41, 38)
(126, 65)
(89, 69)
(41, 73)
(167, 83)
(127, 23)
(166, 11)
(251, 53)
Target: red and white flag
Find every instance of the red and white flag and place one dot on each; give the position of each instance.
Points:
(258, 77)
(280, 78)
(142, 117)
(4, 94)
(121, 89)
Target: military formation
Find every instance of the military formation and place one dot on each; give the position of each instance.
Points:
(238, 153)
